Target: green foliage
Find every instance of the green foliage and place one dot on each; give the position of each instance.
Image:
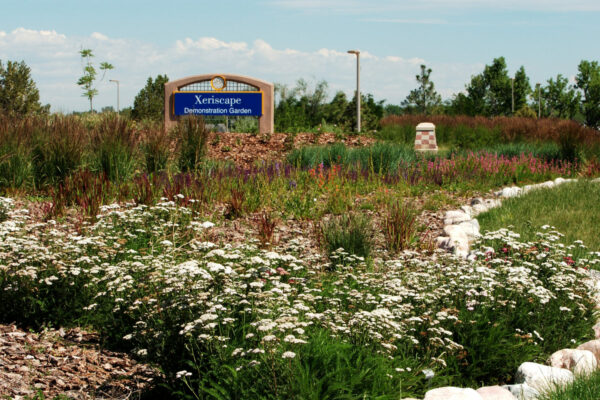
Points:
(582, 388)
(303, 109)
(18, 93)
(424, 98)
(490, 93)
(192, 138)
(156, 147)
(560, 100)
(57, 150)
(352, 232)
(149, 103)
(588, 81)
(86, 81)
(115, 145)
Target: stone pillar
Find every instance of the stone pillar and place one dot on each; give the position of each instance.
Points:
(425, 139)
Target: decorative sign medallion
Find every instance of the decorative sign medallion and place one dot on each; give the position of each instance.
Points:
(218, 83)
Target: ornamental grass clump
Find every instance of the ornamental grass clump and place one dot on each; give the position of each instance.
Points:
(400, 226)
(353, 233)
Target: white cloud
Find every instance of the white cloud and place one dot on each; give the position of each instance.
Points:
(370, 6)
(56, 66)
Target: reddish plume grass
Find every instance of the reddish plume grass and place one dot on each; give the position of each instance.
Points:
(511, 128)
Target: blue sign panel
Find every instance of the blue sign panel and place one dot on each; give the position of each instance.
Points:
(218, 103)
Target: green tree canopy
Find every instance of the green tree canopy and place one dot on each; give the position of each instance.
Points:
(150, 101)
(18, 92)
(588, 81)
(424, 98)
(490, 93)
(560, 99)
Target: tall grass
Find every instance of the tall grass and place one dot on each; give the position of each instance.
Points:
(575, 140)
(192, 137)
(380, 157)
(115, 146)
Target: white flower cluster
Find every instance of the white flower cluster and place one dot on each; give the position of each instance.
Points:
(152, 263)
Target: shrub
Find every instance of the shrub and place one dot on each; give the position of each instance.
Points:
(192, 138)
(352, 232)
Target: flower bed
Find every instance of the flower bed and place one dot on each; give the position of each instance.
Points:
(240, 321)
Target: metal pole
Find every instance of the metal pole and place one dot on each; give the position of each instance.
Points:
(357, 53)
(118, 96)
(358, 92)
(512, 80)
(539, 102)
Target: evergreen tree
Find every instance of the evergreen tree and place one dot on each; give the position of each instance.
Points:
(424, 98)
(18, 93)
(150, 101)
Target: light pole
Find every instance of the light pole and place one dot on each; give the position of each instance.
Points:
(357, 88)
(117, 82)
(512, 80)
(539, 101)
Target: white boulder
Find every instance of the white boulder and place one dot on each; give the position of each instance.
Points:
(495, 393)
(596, 329)
(459, 238)
(455, 217)
(512, 191)
(452, 393)
(580, 362)
(478, 209)
(542, 377)
(471, 228)
(444, 242)
(593, 346)
(522, 391)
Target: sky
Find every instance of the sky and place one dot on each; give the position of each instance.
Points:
(282, 41)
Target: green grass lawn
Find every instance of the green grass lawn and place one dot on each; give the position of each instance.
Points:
(584, 388)
(573, 208)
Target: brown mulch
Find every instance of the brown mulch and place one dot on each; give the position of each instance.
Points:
(67, 363)
(245, 149)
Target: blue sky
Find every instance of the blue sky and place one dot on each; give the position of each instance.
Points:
(284, 40)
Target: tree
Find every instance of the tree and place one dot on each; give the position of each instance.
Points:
(588, 81)
(560, 99)
(18, 93)
(423, 98)
(522, 89)
(150, 101)
(89, 75)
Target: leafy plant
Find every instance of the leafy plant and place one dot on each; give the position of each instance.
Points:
(89, 75)
(265, 225)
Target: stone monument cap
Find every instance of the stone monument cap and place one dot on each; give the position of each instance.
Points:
(426, 126)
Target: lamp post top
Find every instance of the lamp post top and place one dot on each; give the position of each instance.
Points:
(357, 52)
